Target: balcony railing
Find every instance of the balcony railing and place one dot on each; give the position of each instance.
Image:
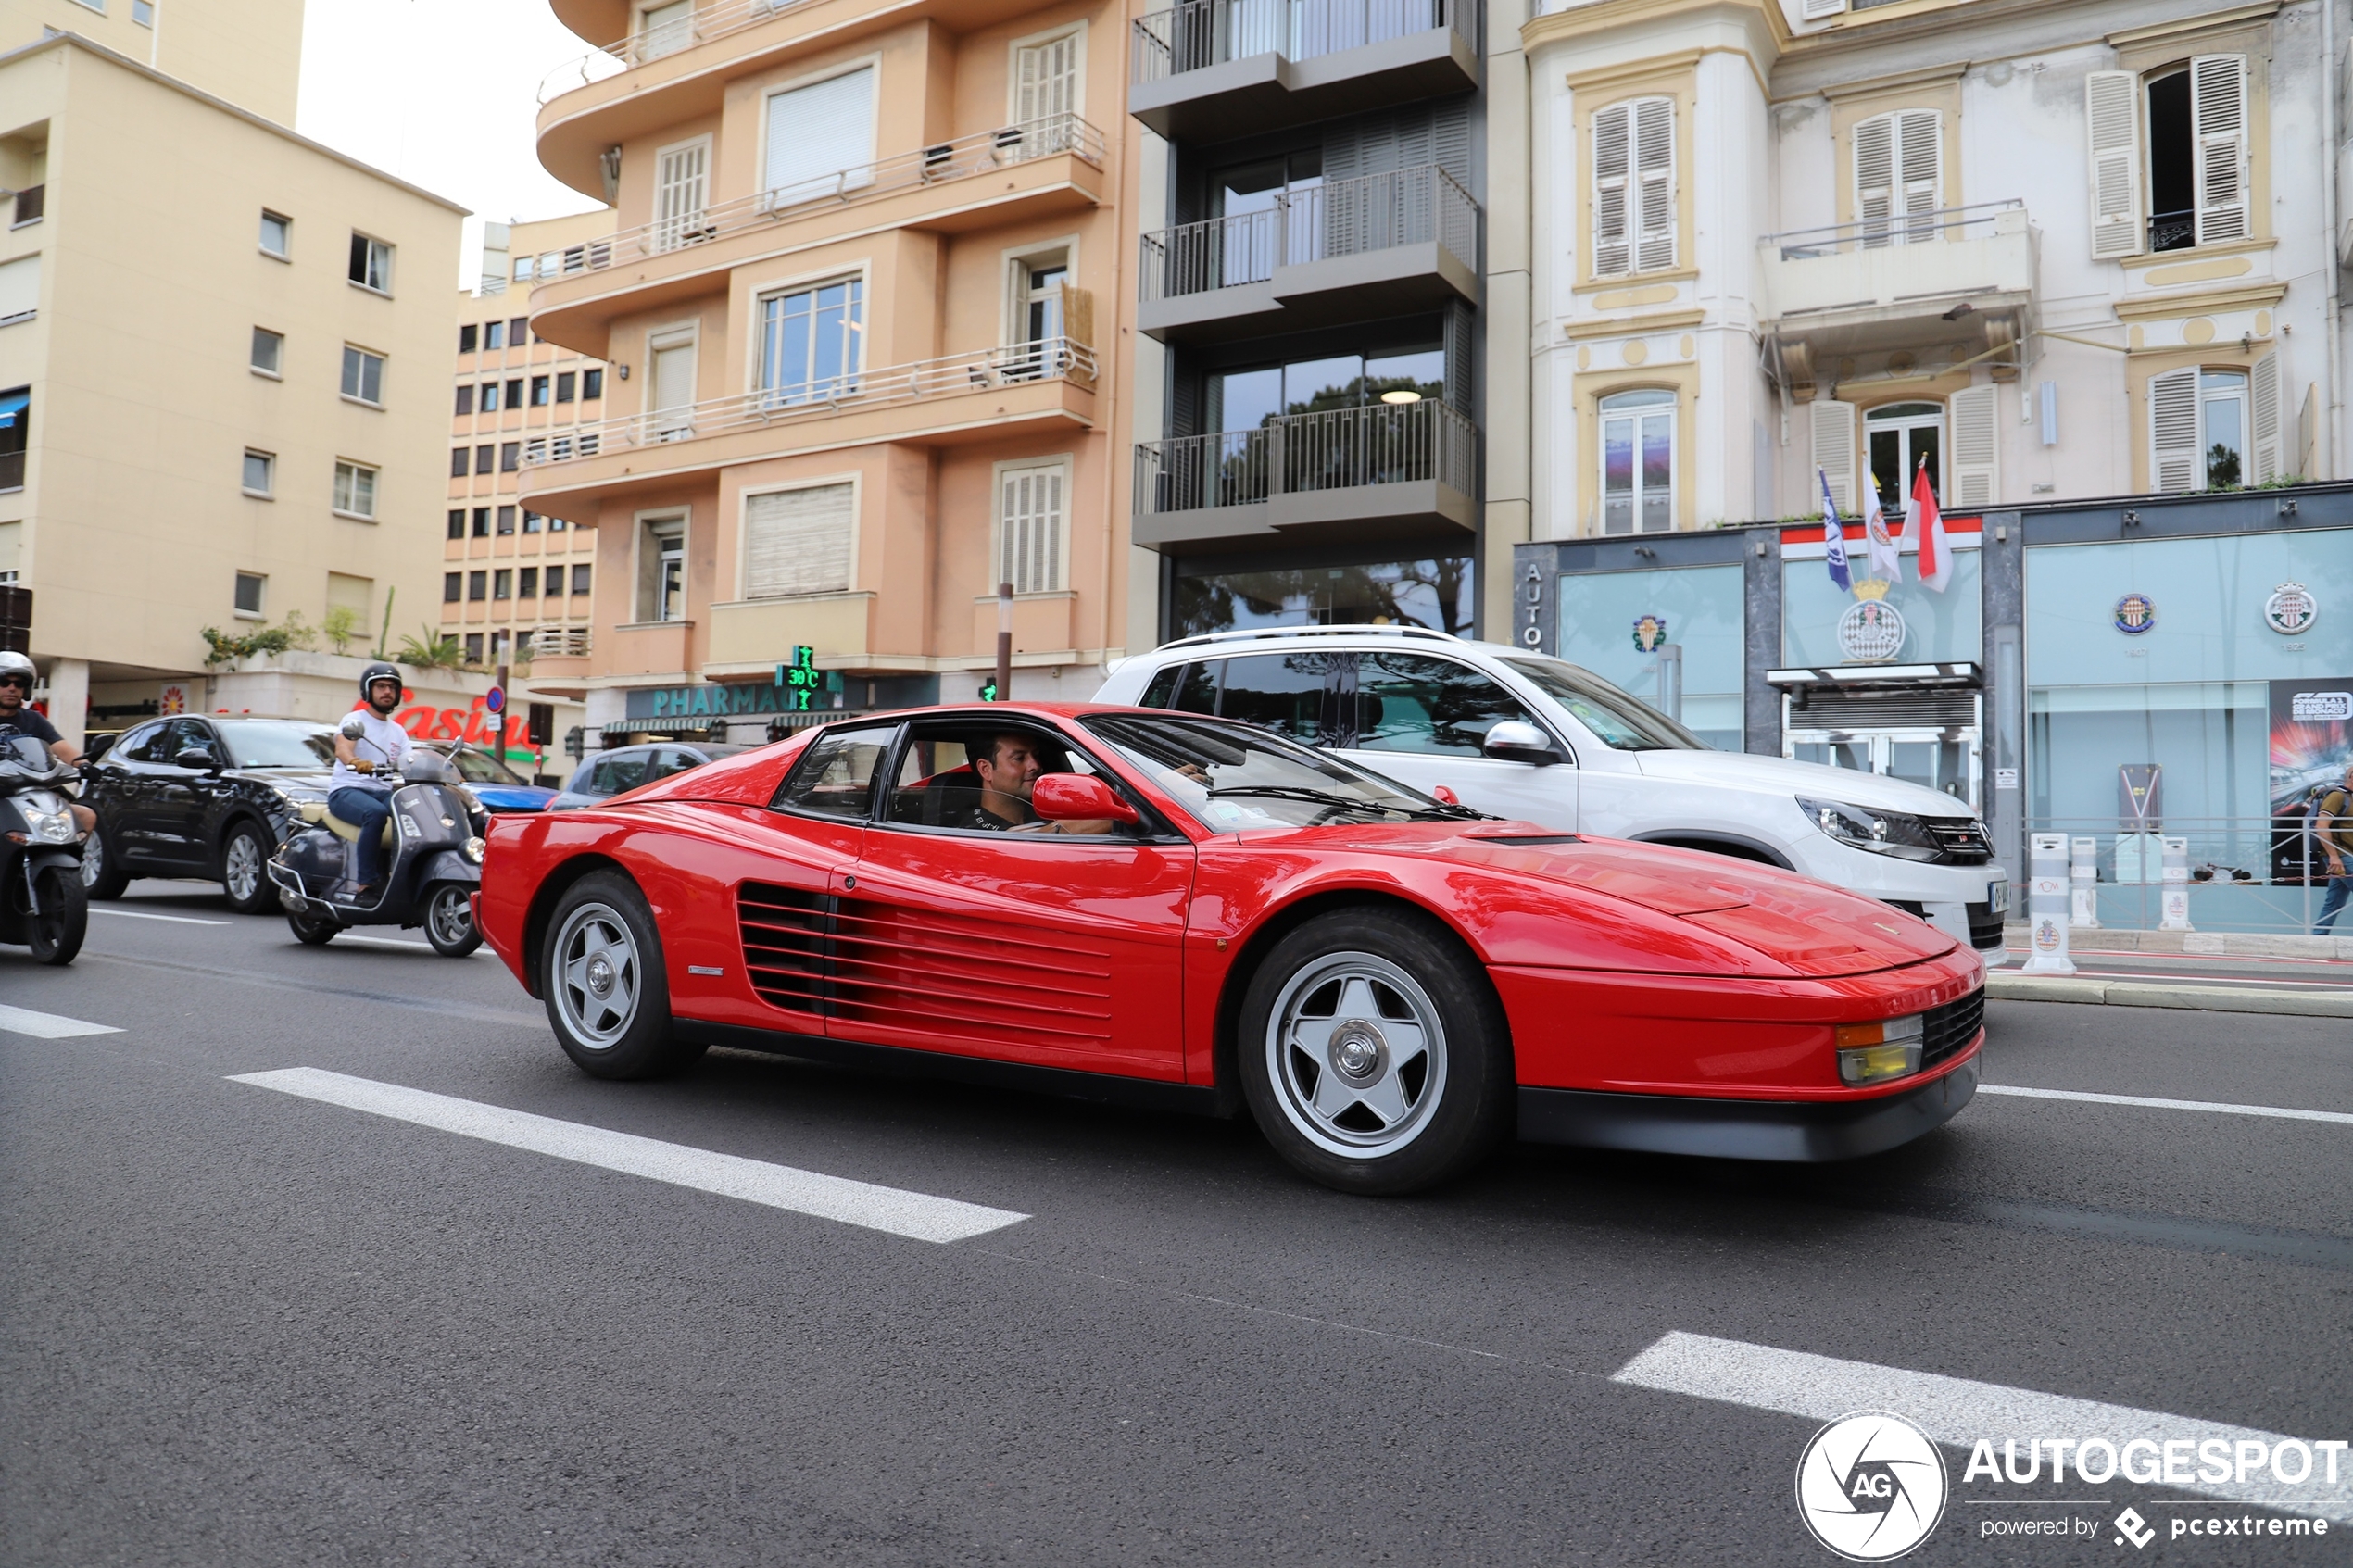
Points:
(978, 153)
(668, 38)
(1206, 32)
(554, 642)
(1053, 359)
(1334, 449)
(1981, 221)
(1341, 217)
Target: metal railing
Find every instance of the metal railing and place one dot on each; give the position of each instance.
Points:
(1053, 359)
(653, 42)
(981, 153)
(1206, 32)
(1904, 228)
(555, 642)
(1290, 454)
(2246, 873)
(1338, 217)
(2172, 231)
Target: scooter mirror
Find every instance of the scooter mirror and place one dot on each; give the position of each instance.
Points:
(353, 727)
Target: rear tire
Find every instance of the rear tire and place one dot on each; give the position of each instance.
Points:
(608, 993)
(244, 874)
(311, 930)
(1374, 1053)
(54, 930)
(449, 920)
(100, 876)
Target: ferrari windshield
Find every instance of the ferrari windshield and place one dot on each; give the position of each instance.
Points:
(1230, 776)
(1617, 720)
(256, 743)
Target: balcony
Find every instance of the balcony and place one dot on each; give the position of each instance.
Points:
(1921, 291)
(1011, 174)
(1209, 69)
(1379, 245)
(992, 394)
(1344, 475)
(752, 636)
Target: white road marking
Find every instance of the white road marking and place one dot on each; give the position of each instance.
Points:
(1959, 1411)
(2152, 1104)
(48, 1025)
(915, 1215)
(347, 940)
(136, 914)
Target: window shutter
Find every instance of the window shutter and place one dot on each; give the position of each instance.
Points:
(2112, 110)
(1919, 146)
(1976, 447)
(1874, 177)
(1814, 10)
(2173, 456)
(1612, 253)
(1834, 452)
(799, 541)
(1046, 80)
(1655, 161)
(1030, 536)
(2218, 114)
(820, 138)
(680, 181)
(2263, 394)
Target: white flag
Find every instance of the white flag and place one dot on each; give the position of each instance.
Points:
(1879, 545)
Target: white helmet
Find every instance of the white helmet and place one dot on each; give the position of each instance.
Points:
(13, 663)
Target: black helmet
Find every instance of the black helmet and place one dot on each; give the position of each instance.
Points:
(380, 671)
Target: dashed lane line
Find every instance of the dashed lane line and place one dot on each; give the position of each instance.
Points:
(2151, 1103)
(468, 1010)
(900, 1213)
(49, 1025)
(142, 914)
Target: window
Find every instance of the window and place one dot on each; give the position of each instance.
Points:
(809, 342)
(835, 776)
(2215, 429)
(665, 29)
(469, 336)
(2188, 185)
(473, 644)
(16, 433)
(489, 403)
(1282, 691)
(494, 336)
(514, 392)
(820, 138)
(502, 583)
(671, 399)
(1434, 707)
(457, 522)
(506, 520)
(527, 583)
(1041, 288)
(1046, 91)
(592, 384)
(356, 490)
(371, 263)
(563, 387)
(466, 400)
(268, 352)
(517, 331)
(1634, 187)
(1898, 438)
(680, 185)
(452, 584)
(363, 376)
(277, 236)
(1897, 181)
(482, 522)
(30, 204)
(1638, 463)
(799, 541)
(579, 579)
(261, 475)
(510, 457)
(1031, 537)
(531, 520)
(144, 12)
(249, 592)
(484, 456)
(555, 525)
(662, 570)
(457, 464)
(477, 584)
(539, 392)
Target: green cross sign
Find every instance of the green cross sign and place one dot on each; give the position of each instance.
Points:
(802, 677)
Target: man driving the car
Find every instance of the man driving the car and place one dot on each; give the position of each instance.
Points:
(18, 718)
(1007, 766)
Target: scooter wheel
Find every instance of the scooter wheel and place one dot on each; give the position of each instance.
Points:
(311, 930)
(60, 917)
(449, 920)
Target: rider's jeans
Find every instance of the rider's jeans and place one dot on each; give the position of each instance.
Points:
(367, 809)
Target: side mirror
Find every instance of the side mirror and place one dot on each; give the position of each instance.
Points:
(353, 726)
(197, 756)
(1516, 740)
(1078, 797)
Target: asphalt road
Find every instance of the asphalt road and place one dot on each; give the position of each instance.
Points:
(244, 1326)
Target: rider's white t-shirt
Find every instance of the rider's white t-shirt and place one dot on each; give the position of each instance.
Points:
(385, 743)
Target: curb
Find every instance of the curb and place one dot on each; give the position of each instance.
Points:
(2140, 993)
(2195, 943)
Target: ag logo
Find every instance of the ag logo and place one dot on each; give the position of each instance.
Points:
(1870, 1487)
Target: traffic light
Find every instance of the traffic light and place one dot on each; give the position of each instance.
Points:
(988, 690)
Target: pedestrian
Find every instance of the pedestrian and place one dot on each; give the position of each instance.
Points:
(2332, 826)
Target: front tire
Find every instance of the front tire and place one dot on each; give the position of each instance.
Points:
(311, 930)
(449, 920)
(56, 928)
(244, 856)
(101, 878)
(608, 993)
(1374, 1053)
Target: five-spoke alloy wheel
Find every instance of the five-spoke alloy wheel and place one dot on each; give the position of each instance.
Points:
(449, 920)
(242, 857)
(602, 971)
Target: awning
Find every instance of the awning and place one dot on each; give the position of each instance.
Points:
(1963, 674)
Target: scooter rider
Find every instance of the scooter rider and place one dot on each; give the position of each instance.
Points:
(17, 718)
(358, 793)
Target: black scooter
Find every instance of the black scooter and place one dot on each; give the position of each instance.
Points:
(433, 842)
(42, 903)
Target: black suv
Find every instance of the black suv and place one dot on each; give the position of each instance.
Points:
(201, 797)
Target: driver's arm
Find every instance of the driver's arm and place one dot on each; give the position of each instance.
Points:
(348, 754)
(64, 751)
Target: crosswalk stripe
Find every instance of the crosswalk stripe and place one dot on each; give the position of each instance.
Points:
(2147, 1102)
(48, 1025)
(901, 1212)
(1959, 1411)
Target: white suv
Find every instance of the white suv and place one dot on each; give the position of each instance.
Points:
(1527, 736)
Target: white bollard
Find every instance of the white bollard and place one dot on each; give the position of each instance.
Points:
(2175, 899)
(2046, 907)
(2082, 878)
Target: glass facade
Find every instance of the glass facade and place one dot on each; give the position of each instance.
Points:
(1699, 608)
(1434, 593)
(1947, 628)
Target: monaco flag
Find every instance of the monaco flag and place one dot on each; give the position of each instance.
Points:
(1928, 527)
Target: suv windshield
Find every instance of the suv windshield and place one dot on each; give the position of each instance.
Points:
(1617, 720)
(1230, 776)
(255, 743)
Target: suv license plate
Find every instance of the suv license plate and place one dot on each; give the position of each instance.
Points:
(1998, 896)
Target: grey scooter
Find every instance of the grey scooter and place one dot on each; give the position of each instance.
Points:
(42, 903)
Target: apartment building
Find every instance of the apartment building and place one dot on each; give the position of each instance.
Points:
(516, 585)
(249, 52)
(1310, 300)
(856, 378)
(222, 361)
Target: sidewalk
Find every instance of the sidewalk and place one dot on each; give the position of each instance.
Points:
(2219, 971)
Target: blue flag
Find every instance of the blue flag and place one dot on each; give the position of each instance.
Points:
(1834, 539)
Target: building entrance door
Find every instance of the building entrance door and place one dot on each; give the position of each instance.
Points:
(1944, 760)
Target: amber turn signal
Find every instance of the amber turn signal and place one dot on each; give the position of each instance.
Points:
(1874, 1053)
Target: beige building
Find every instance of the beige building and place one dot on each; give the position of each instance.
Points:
(852, 312)
(246, 51)
(222, 351)
(516, 584)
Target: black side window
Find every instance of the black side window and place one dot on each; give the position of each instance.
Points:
(1162, 690)
(182, 733)
(624, 771)
(1412, 702)
(139, 745)
(1281, 691)
(835, 776)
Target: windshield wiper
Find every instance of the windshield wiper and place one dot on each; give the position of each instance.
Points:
(1342, 802)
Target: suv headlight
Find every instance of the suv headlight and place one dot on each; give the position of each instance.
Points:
(1883, 833)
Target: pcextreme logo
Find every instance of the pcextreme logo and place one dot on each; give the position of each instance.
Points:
(1870, 1487)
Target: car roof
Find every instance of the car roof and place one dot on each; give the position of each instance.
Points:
(1226, 644)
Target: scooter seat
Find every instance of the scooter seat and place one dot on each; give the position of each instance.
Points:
(347, 833)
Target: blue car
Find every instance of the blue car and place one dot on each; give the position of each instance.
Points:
(498, 787)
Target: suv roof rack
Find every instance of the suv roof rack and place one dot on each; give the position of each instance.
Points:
(1285, 632)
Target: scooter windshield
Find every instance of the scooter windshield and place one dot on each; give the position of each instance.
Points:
(22, 755)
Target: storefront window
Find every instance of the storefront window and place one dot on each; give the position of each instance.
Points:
(1613, 623)
(1947, 628)
(1432, 593)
